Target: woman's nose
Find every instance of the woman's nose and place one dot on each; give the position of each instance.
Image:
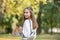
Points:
(25, 14)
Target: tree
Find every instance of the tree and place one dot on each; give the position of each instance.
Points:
(39, 18)
(50, 10)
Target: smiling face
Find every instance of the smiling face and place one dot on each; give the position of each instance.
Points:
(27, 13)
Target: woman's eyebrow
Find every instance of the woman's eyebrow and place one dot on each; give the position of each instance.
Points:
(25, 12)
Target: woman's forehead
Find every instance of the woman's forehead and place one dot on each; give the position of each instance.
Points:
(26, 10)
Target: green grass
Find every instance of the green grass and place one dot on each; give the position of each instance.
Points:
(39, 37)
(48, 37)
(9, 37)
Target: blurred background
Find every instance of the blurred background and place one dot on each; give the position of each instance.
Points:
(47, 14)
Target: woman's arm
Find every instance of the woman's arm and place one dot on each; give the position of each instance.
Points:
(26, 28)
(20, 29)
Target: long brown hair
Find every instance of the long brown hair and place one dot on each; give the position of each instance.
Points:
(34, 23)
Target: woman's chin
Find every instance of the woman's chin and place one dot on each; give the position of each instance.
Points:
(26, 18)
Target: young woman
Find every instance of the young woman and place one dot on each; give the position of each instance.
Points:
(30, 25)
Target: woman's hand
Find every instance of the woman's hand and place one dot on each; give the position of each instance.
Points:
(20, 29)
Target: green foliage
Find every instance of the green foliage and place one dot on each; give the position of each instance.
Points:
(16, 7)
(51, 11)
(13, 10)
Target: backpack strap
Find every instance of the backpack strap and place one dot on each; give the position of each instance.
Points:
(31, 28)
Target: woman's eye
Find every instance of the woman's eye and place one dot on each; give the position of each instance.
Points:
(25, 12)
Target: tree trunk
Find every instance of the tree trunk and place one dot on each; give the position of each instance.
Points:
(39, 18)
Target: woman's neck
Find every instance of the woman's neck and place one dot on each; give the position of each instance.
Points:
(29, 18)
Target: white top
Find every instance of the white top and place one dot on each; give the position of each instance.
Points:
(27, 29)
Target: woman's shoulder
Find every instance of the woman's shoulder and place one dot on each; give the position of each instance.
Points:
(27, 20)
